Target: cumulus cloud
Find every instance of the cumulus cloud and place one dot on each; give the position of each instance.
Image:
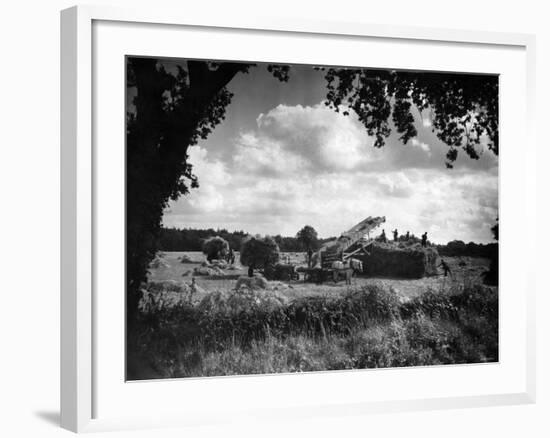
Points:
(316, 139)
(395, 184)
(421, 145)
(308, 164)
(312, 139)
(265, 156)
(203, 166)
(212, 175)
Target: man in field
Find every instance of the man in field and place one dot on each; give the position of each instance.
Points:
(425, 238)
(395, 235)
(446, 268)
(309, 256)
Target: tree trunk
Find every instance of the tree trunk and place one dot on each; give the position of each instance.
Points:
(156, 158)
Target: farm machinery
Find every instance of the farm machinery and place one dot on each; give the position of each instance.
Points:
(282, 272)
(335, 260)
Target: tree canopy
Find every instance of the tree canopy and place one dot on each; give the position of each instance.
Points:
(463, 107)
(307, 236)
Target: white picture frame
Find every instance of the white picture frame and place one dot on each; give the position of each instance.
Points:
(83, 369)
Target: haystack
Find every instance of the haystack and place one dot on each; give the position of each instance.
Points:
(222, 264)
(212, 271)
(390, 260)
(256, 282)
(159, 263)
(185, 259)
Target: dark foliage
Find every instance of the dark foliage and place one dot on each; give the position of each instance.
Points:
(491, 276)
(173, 239)
(187, 239)
(171, 112)
(432, 328)
(308, 238)
(464, 107)
(458, 248)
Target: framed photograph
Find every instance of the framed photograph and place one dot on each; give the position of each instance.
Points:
(266, 218)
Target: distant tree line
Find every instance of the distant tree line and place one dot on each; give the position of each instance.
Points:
(188, 239)
(458, 248)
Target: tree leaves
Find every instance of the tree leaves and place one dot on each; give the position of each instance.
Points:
(307, 236)
(280, 72)
(464, 107)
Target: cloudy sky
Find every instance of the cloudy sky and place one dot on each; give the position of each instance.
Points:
(282, 160)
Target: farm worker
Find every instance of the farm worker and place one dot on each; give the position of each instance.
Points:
(425, 238)
(193, 285)
(348, 273)
(446, 269)
(383, 236)
(395, 235)
(309, 255)
(407, 236)
(231, 256)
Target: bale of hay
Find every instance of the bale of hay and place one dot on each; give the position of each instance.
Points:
(194, 288)
(206, 270)
(222, 264)
(390, 260)
(165, 285)
(256, 282)
(279, 285)
(217, 270)
(185, 259)
(159, 263)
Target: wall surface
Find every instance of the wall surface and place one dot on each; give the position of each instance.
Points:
(29, 184)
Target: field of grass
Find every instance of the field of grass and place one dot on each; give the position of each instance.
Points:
(304, 327)
(173, 270)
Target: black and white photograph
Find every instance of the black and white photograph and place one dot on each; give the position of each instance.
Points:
(285, 218)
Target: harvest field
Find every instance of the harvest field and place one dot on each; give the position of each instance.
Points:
(210, 329)
(172, 269)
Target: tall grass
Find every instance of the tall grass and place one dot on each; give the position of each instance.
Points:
(251, 332)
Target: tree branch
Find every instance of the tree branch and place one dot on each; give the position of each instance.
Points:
(204, 83)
